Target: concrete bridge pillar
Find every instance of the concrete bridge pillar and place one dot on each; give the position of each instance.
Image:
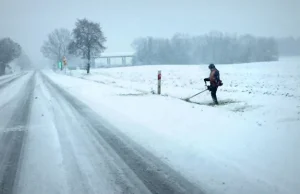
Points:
(123, 60)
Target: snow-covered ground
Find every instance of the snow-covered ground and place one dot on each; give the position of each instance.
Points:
(4, 77)
(248, 144)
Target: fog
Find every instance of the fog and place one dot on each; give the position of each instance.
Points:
(30, 21)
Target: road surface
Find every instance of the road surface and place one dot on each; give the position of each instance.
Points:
(52, 143)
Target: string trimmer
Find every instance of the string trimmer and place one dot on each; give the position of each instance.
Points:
(187, 99)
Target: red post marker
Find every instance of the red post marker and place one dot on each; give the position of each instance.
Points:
(159, 82)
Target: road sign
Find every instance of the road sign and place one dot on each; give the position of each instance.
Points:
(65, 60)
(59, 65)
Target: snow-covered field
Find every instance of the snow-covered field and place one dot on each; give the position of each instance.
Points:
(248, 144)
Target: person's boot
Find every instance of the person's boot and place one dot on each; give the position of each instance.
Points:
(215, 100)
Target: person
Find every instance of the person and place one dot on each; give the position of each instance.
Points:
(214, 79)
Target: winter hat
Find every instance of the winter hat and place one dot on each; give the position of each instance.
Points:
(211, 66)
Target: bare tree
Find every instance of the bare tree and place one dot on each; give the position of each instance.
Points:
(57, 44)
(9, 50)
(88, 40)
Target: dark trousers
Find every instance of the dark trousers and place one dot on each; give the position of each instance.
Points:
(213, 91)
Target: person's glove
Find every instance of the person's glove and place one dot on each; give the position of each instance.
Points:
(209, 88)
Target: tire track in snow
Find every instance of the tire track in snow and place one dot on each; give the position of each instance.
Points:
(158, 177)
(12, 140)
(107, 168)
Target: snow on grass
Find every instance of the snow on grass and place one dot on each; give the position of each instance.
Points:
(2, 77)
(246, 86)
(5, 77)
(246, 145)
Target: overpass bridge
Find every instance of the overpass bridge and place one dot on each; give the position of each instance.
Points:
(123, 56)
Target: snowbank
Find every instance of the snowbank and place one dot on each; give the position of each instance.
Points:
(246, 145)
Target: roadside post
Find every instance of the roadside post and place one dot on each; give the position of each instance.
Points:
(159, 82)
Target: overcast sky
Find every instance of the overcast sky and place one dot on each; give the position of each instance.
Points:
(29, 21)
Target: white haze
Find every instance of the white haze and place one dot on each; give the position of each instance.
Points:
(29, 21)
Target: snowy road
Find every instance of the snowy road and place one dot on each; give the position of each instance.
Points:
(51, 142)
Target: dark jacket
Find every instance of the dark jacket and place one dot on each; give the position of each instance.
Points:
(214, 78)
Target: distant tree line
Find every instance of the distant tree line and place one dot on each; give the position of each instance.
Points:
(86, 41)
(289, 46)
(11, 51)
(214, 47)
